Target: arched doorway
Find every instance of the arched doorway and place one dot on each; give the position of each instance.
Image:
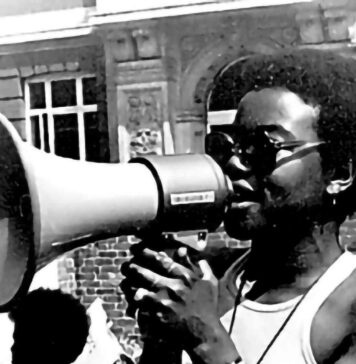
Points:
(222, 99)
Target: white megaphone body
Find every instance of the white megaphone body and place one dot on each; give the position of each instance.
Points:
(50, 205)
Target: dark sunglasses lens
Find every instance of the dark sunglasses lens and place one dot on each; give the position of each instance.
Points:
(263, 153)
(219, 146)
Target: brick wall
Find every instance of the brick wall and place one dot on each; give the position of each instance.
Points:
(94, 272)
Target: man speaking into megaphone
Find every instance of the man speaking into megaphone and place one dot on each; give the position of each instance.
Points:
(294, 301)
(290, 164)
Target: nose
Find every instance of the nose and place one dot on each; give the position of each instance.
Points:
(235, 169)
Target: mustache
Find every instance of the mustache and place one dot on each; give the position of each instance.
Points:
(306, 150)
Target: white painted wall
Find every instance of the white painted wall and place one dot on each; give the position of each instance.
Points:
(221, 117)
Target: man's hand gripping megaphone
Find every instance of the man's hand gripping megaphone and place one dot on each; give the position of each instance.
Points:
(176, 300)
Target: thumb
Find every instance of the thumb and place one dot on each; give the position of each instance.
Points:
(207, 272)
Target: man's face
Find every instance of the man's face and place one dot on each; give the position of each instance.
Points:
(278, 176)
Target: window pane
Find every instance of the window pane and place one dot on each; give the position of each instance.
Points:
(89, 91)
(37, 95)
(92, 137)
(45, 133)
(35, 131)
(63, 93)
(66, 135)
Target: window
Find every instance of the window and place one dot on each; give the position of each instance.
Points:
(61, 116)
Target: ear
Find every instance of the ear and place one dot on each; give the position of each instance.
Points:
(340, 185)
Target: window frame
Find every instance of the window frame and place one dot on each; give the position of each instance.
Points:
(78, 109)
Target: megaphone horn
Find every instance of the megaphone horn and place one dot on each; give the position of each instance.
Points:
(50, 205)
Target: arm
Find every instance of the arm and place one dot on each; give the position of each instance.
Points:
(346, 352)
(333, 331)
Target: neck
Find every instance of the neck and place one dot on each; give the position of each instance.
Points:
(293, 263)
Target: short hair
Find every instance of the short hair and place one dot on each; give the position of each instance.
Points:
(324, 79)
(273, 104)
(319, 77)
(49, 327)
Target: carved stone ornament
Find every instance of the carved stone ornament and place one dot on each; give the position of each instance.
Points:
(144, 123)
(191, 45)
(122, 46)
(145, 142)
(310, 27)
(337, 24)
(147, 43)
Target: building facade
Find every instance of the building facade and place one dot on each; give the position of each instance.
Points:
(104, 81)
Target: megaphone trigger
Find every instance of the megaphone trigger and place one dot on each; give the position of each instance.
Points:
(196, 240)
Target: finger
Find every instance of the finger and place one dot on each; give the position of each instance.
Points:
(152, 302)
(142, 277)
(153, 259)
(171, 288)
(137, 248)
(140, 294)
(127, 288)
(124, 267)
(129, 293)
(155, 242)
(151, 305)
(207, 272)
(165, 265)
(183, 258)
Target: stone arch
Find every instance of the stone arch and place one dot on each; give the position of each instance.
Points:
(216, 51)
(205, 86)
(204, 66)
(210, 63)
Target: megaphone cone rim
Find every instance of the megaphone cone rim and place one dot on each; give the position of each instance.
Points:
(20, 249)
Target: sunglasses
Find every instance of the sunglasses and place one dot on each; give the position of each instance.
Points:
(258, 149)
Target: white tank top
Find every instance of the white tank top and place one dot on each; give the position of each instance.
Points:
(256, 323)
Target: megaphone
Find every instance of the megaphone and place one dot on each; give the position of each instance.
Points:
(50, 205)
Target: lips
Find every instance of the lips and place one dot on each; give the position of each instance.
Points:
(243, 205)
(243, 214)
(244, 193)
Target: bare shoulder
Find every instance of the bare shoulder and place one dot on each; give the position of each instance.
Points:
(333, 332)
